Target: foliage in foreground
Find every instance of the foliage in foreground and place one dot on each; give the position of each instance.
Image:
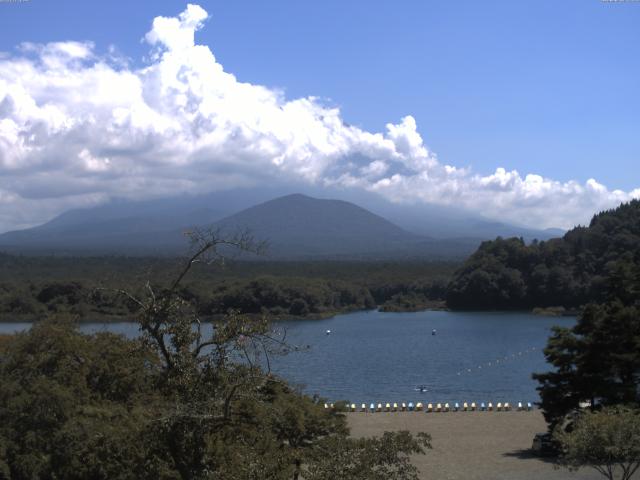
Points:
(607, 441)
(177, 403)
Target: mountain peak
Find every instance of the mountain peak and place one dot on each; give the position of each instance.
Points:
(295, 196)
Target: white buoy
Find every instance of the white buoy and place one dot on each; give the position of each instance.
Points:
(328, 332)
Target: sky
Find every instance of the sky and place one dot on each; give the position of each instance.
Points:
(523, 111)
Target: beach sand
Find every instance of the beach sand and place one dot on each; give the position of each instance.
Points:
(472, 445)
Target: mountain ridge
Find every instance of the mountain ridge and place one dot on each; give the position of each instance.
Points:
(298, 226)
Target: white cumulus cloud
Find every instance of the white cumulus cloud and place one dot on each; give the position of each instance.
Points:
(78, 128)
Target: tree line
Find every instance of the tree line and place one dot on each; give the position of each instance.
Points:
(591, 396)
(85, 287)
(588, 264)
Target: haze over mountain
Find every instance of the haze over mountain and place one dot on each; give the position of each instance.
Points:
(295, 225)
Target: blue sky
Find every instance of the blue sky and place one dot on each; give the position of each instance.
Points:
(544, 87)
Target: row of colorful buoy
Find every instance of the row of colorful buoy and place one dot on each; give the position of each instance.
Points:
(437, 407)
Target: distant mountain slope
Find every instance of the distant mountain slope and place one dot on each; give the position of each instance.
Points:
(296, 225)
(129, 227)
(587, 264)
(444, 222)
(78, 232)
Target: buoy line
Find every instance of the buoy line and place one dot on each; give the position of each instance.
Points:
(498, 361)
(427, 387)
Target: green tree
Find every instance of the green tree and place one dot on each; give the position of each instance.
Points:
(184, 401)
(382, 458)
(607, 441)
(598, 360)
(589, 264)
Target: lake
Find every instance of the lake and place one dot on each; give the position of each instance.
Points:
(384, 357)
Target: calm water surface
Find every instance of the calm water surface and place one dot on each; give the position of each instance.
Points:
(384, 357)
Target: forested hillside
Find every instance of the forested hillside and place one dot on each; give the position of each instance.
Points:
(588, 264)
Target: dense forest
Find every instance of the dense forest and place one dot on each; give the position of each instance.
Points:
(597, 361)
(175, 403)
(584, 266)
(88, 287)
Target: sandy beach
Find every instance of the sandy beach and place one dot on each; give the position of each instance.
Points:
(472, 445)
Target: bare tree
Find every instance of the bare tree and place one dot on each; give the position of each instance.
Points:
(223, 355)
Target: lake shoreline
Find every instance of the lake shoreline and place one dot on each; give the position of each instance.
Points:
(433, 307)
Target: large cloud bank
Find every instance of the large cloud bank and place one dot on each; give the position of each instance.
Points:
(78, 127)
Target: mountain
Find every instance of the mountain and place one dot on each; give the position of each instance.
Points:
(295, 225)
(129, 227)
(298, 226)
(445, 222)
